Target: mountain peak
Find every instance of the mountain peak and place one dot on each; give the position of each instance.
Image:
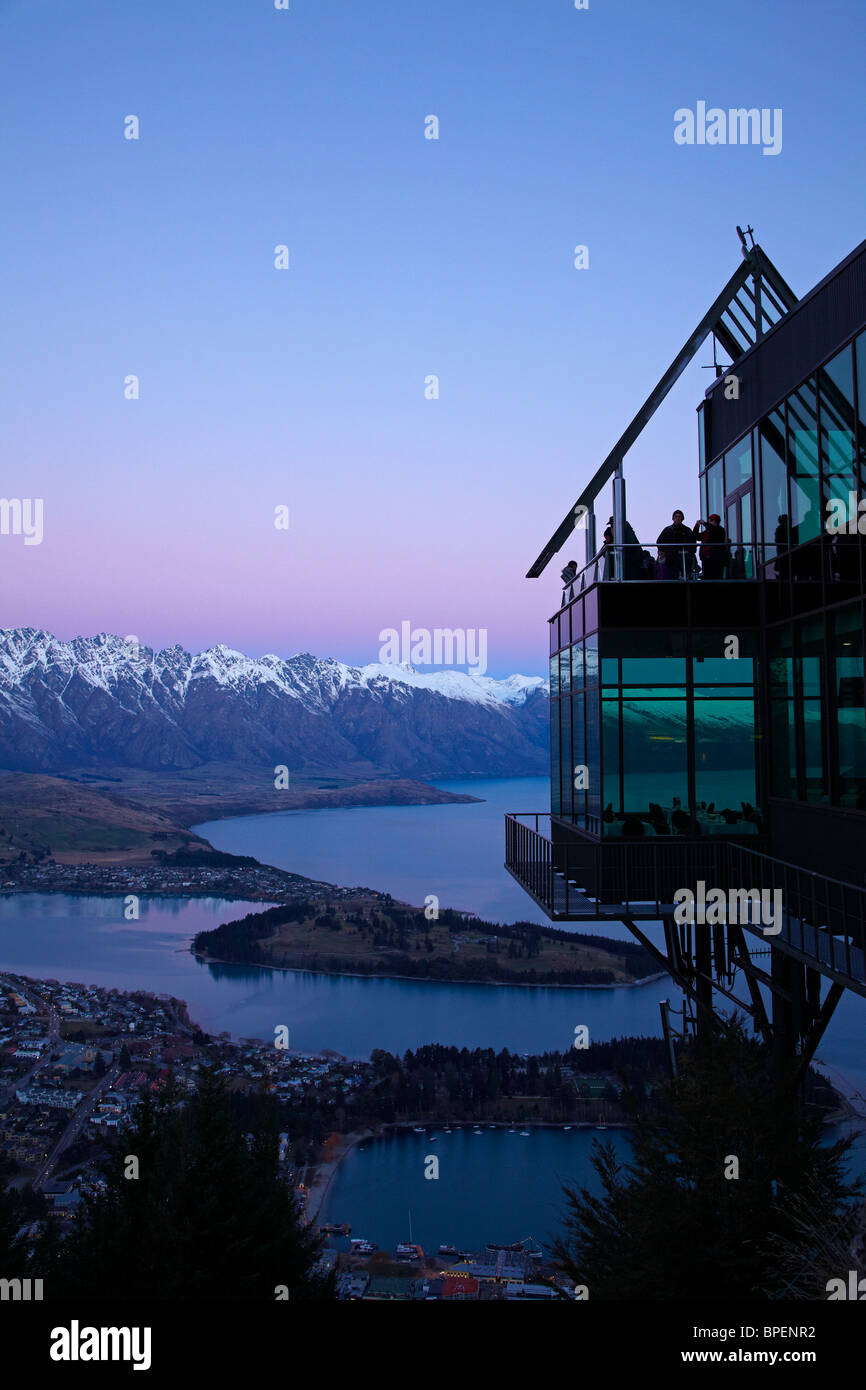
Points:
(105, 699)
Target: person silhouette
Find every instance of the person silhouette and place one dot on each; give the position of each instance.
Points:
(677, 544)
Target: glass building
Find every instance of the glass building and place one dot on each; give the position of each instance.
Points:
(707, 711)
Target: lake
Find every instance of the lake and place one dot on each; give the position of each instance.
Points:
(65, 937)
(492, 1186)
(455, 851)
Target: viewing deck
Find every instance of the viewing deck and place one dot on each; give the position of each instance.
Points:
(829, 560)
(575, 879)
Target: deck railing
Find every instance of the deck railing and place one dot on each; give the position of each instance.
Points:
(830, 557)
(822, 919)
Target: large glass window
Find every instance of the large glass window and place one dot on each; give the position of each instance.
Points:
(565, 671)
(655, 762)
(610, 796)
(590, 611)
(555, 764)
(578, 745)
(635, 657)
(715, 490)
(813, 751)
(577, 666)
(745, 536)
(646, 735)
(836, 400)
(591, 658)
(847, 646)
(783, 743)
(806, 514)
(710, 665)
(566, 754)
(774, 488)
(738, 465)
(811, 643)
(554, 677)
(644, 744)
(593, 792)
(725, 786)
(860, 354)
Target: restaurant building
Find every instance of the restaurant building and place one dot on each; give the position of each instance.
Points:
(707, 713)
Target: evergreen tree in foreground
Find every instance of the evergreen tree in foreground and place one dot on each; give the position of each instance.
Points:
(670, 1224)
(13, 1252)
(207, 1217)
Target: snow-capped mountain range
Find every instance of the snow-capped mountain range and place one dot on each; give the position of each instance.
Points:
(100, 701)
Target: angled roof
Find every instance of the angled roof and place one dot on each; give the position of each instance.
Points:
(755, 298)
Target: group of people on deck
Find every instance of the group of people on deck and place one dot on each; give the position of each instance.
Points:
(680, 548)
(678, 543)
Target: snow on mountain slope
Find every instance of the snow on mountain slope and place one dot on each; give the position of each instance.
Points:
(104, 699)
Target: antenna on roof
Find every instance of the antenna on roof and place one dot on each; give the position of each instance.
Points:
(715, 365)
(742, 235)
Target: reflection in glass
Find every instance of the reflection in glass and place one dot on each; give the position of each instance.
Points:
(591, 658)
(783, 742)
(578, 740)
(738, 465)
(725, 761)
(655, 757)
(610, 796)
(850, 714)
(567, 759)
(593, 793)
(555, 768)
(836, 387)
(715, 490)
(565, 671)
(806, 515)
(577, 666)
(813, 748)
(774, 490)
(860, 354)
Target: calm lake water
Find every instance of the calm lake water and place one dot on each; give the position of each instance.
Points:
(455, 851)
(87, 939)
(494, 1186)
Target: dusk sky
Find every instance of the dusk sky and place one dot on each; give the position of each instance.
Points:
(408, 257)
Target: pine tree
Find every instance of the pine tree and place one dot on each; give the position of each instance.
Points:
(207, 1217)
(13, 1252)
(674, 1222)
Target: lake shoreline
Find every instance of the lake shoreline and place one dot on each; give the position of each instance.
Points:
(417, 979)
